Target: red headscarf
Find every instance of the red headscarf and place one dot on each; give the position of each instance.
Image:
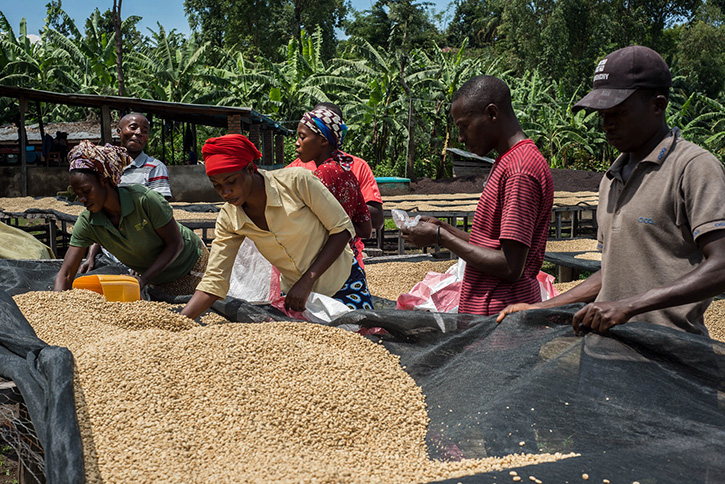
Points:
(231, 152)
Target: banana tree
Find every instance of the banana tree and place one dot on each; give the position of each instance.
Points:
(300, 80)
(24, 63)
(447, 70)
(168, 68)
(376, 117)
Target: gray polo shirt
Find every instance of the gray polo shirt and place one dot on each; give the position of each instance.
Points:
(648, 226)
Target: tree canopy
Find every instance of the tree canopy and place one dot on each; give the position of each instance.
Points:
(393, 76)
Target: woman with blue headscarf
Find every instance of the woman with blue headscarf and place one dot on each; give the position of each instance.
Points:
(320, 134)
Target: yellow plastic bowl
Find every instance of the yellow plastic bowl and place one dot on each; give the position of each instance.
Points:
(112, 287)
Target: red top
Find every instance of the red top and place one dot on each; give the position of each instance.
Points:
(515, 205)
(368, 187)
(361, 169)
(345, 188)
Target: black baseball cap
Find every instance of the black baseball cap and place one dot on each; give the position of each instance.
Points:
(621, 73)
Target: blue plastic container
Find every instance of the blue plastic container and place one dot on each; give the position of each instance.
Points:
(393, 185)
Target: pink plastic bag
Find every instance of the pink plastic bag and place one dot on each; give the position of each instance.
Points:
(440, 292)
(546, 284)
(278, 303)
(436, 292)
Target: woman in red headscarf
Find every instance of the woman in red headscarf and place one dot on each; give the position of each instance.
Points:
(294, 221)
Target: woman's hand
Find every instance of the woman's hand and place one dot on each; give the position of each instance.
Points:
(141, 281)
(199, 302)
(66, 274)
(296, 298)
(90, 261)
(173, 246)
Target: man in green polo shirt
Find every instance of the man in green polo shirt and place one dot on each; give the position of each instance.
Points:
(661, 214)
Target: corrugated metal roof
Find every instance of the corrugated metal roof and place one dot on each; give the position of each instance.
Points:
(77, 131)
(469, 155)
(193, 113)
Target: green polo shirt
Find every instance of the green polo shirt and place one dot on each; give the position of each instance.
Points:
(135, 241)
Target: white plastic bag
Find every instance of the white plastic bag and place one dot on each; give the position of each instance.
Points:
(253, 278)
(403, 220)
(318, 309)
(323, 309)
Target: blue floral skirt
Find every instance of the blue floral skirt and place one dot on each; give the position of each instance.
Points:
(354, 293)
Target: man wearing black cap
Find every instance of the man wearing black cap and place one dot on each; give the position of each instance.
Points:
(661, 208)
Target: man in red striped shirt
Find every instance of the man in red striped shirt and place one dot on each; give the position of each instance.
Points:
(506, 245)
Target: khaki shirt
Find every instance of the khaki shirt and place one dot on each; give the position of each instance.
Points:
(301, 214)
(649, 225)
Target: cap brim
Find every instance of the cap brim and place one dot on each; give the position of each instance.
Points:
(603, 99)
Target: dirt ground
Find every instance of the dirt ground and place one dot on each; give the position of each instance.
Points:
(564, 180)
(8, 468)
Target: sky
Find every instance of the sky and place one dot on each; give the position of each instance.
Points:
(170, 13)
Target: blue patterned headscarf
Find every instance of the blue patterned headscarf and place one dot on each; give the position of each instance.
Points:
(326, 123)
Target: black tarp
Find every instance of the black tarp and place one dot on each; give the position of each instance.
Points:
(639, 404)
(44, 376)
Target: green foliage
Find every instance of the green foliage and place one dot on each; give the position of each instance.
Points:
(391, 23)
(4, 467)
(262, 27)
(476, 21)
(394, 80)
(103, 23)
(701, 52)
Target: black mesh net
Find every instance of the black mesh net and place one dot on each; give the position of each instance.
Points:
(640, 404)
(643, 403)
(17, 431)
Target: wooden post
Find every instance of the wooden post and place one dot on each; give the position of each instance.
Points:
(39, 112)
(565, 274)
(172, 144)
(53, 237)
(196, 140)
(105, 125)
(234, 124)
(279, 149)
(163, 140)
(23, 107)
(267, 147)
(40, 120)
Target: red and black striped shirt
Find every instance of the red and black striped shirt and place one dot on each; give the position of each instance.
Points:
(515, 205)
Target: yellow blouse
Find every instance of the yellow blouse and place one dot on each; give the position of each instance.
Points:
(301, 214)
